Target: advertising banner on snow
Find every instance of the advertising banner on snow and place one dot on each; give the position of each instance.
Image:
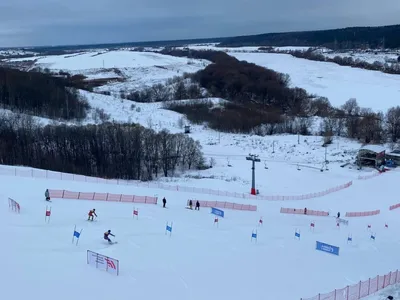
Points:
(99, 261)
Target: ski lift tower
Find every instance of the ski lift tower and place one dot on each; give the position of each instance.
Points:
(254, 159)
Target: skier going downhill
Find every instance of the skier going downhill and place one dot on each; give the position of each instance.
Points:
(106, 234)
(91, 214)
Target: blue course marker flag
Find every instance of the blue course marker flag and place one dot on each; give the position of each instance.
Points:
(168, 228)
(217, 212)
(77, 235)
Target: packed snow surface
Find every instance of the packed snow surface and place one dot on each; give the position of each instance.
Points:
(199, 261)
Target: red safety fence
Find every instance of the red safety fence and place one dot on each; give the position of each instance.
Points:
(63, 194)
(301, 211)
(394, 206)
(363, 213)
(45, 174)
(369, 176)
(14, 205)
(361, 289)
(227, 205)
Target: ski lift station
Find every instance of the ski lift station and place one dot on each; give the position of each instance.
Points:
(371, 155)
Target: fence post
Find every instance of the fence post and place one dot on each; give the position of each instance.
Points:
(369, 285)
(347, 293)
(107, 197)
(359, 289)
(319, 296)
(397, 271)
(335, 295)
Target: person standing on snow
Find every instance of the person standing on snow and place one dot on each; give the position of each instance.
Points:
(91, 214)
(197, 205)
(190, 204)
(47, 195)
(164, 201)
(106, 234)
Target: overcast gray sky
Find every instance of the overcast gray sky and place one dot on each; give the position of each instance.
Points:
(60, 22)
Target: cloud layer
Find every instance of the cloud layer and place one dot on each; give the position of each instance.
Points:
(59, 22)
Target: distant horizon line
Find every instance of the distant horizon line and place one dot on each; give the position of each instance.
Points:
(204, 39)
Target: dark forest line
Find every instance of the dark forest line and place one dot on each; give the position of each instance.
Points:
(42, 95)
(118, 151)
(344, 38)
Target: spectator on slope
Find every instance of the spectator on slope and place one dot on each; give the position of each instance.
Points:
(338, 215)
(106, 234)
(197, 205)
(91, 214)
(305, 210)
(164, 201)
(47, 195)
(190, 204)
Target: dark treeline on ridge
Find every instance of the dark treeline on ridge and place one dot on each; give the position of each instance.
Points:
(246, 83)
(40, 94)
(123, 151)
(344, 38)
(261, 102)
(256, 96)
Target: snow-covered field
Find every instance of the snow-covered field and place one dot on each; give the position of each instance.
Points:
(372, 89)
(138, 69)
(199, 261)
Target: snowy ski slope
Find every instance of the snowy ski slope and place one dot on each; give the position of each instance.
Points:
(199, 261)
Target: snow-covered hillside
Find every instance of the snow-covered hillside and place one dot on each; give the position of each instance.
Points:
(136, 69)
(226, 152)
(372, 89)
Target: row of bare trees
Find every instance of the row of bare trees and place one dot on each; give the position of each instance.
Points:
(109, 150)
(363, 124)
(392, 68)
(176, 88)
